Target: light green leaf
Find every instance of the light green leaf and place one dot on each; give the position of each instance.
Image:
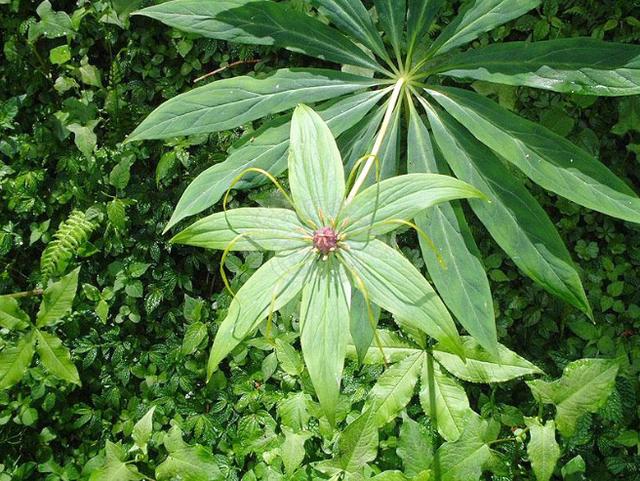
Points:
(270, 288)
(394, 348)
(11, 316)
(228, 103)
(397, 286)
(583, 66)
(57, 299)
(392, 15)
(394, 389)
(548, 159)
(414, 447)
(374, 210)
(514, 218)
(543, 449)
(480, 366)
(55, 357)
(455, 267)
(115, 468)
(464, 458)
(84, 137)
(324, 326)
(265, 149)
(289, 358)
(316, 173)
(442, 396)
(352, 17)
(261, 23)
(363, 319)
(294, 411)
(583, 388)
(14, 361)
(51, 25)
(358, 444)
(143, 429)
(478, 17)
(420, 19)
(246, 229)
(193, 337)
(188, 463)
(292, 450)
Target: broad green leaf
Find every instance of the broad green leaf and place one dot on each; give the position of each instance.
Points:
(583, 388)
(414, 447)
(292, 450)
(289, 358)
(246, 229)
(316, 173)
(420, 19)
(228, 103)
(464, 458)
(394, 389)
(195, 333)
(583, 66)
(377, 209)
(444, 400)
(115, 468)
(55, 357)
(478, 17)
(265, 149)
(543, 449)
(392, 346)
(363, 319)
(11, 316)
(188, 463)
(455, 265)
(392, 282)
(358, 444)
(392, 15)
(14, 361)
(548, 159)
(57, 299)
(294, 410)
(324, 331)
(392, 476)
(261, 22)
(513, 217)
(52, 24)
(143, 429)
(270, 288)
(352, 17)
(480, 366)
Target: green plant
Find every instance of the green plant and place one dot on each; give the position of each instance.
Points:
(475, 135)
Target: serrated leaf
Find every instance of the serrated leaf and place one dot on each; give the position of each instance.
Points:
(11, 316)
(55, 357)
(542, 448)
(15, 360)
(414, 447)
(57, 299)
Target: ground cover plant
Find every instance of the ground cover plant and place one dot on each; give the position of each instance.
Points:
(147, 310)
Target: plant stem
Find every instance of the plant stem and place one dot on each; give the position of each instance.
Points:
(18, 295)
(393, 101)
(431, 386)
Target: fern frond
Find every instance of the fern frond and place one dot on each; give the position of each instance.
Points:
(71, 234)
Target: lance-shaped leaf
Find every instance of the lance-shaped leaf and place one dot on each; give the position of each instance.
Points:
(392, 15)
(15, 360)
(400, 198)
(584, 66)
(392, 282)
(272, 286)
(415, 447)
(261, 22)
(57, 299)
(228, 103)
(583, 388)
(185, 462)
(543, 449)
(246, 229)
(391, 345)
(11, 316)
(324, 326)
(465, 458)
(513, 217)
(316, 173)
(441, 396)
(454, 265)
(55, 357)
(143, 430)
(483, 367)
(479, 17)
(351, 17)
(363, 320)
(264, 149)
(420, 18)
(394, 389)
(548, 159)
(358, 444)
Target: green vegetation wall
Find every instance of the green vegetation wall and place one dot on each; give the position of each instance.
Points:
(75, 79)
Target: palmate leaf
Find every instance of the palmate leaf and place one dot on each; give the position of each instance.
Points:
(420, 17)
(324, 330)
(261, 22)
(246, 229)
(514, 218)
(265, 149)
(392, 15)
(228, 103)
(548, 159)
(455, 267)
(583, 66)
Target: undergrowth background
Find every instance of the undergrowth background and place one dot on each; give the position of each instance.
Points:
(67, 101)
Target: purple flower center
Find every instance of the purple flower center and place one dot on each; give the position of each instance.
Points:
(325, 240)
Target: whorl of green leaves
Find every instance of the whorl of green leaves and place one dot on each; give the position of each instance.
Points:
(70, 236)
